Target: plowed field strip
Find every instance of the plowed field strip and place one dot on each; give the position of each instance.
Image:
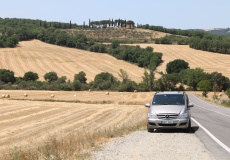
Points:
(45, 61)
(122, 117)
(13, 63)
(28, 122)
(60, 60)
(63, 68)
(27, 116)
(14, 111)
(47, 114)
(16, 60)
(5, 107)
(34, 63)
(37, 129)
(3, 60)
(33, 129)
(108, 119)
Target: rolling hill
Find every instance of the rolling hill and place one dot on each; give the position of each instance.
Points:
(208, 61)
(42, 58)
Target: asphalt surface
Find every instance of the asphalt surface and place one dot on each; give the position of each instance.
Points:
(216, 120)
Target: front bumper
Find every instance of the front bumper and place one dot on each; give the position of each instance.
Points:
(167, 123)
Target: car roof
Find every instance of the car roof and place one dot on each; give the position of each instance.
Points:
(170, 92)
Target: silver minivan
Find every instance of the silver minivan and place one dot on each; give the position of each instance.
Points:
(169, 110)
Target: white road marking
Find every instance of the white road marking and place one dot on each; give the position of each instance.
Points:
(212, 136)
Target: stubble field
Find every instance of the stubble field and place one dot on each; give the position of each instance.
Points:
(26, 122)
(41, 58)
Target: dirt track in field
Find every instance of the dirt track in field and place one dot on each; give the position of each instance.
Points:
(25, 122)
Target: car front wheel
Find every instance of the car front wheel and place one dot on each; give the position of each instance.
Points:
(188, 129)
(149, 129)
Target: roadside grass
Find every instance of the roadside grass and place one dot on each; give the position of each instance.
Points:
(215, 100)
(226, 103)
(76, 145)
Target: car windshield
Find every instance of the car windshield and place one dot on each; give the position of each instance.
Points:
(168, 99)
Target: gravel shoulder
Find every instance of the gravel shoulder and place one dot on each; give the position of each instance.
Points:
(159, 145)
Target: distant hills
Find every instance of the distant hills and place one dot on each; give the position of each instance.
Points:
(219, 31)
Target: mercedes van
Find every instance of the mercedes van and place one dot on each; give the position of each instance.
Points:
(169, 110)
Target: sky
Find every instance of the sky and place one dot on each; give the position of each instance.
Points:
(179, 14)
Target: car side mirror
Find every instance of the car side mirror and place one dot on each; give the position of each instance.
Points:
(147, 105)
(190, 105)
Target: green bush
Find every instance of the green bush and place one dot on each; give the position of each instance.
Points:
(51, 76)
(7, 76)
(105, 81)
(77, 85)
(226, 103)
(228, 92)
(205, 87)
(30, 76)
(176, 66)
(81, 76)
(128, 86)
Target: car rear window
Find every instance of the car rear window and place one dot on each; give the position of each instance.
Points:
(168, 99)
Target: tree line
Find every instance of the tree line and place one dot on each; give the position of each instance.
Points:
(179, 77)
(112, 23)
(197, 39)
(102, 81)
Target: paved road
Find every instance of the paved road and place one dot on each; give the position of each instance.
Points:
(217, 121)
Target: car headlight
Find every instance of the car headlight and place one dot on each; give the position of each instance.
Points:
(184, 115)
(152, 115)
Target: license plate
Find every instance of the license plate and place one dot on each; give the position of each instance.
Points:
(167, 122)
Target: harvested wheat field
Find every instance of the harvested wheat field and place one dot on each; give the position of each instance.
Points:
(41, 58)
(31, 120)
(28, 123)
(208, 61)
